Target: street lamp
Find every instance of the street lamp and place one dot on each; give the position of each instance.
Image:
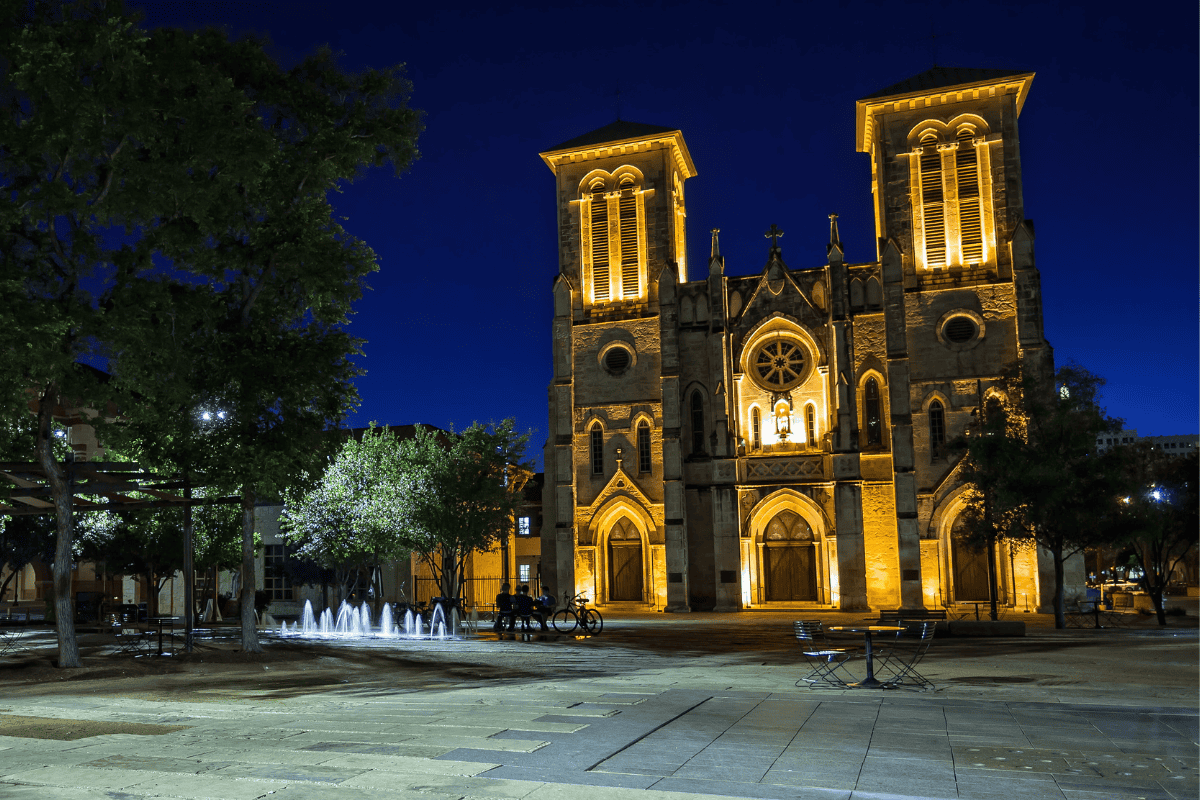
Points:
(208, 419)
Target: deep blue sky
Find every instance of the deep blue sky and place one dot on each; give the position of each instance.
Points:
(458, 324)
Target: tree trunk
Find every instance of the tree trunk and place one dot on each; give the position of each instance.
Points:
(60, 492)
(249, 621)
(1156, 597)
(1060, 617)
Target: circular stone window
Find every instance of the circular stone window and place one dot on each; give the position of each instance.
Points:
(616, 358)
(779, 364)
(960, 330)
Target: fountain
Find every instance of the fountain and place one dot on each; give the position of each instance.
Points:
(349, 622)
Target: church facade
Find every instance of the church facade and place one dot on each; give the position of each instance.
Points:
(778, 440)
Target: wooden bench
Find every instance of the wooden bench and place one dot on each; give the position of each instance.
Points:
(922, 615)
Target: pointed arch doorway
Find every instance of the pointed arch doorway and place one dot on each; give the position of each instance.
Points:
(970, 567)
(789, 559)
(625, 562)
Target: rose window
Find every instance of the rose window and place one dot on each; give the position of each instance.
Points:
(779, 364)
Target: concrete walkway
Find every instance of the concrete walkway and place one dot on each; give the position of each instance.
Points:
(659, 706)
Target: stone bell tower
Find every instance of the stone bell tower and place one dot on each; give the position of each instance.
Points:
(962, 294)
(613, 473)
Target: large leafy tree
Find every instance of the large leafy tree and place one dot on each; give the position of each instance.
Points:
(352, 520)
(1158, 519)
(1035, 474)
(463, 493)
(168, 217)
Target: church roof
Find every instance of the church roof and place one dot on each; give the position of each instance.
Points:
(616, 137)
(939, 77)
(949, 83)
(612, 132)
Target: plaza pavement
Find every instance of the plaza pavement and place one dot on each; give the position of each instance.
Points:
(658, 706)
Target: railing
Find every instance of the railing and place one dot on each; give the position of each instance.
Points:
(475, 591)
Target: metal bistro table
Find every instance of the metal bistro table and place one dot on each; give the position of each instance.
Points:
(163, 622)
(870, 682)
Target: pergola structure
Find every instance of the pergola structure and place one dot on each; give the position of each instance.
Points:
(116, 482)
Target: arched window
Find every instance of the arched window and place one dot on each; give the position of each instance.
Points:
(872, 413)
(937, 426)
(970, 215)
(601, 290)
(627, 209)
(597, 447)
(643, 441)
(810, 422)
(755, 429)
(697, 423)
(932, 202)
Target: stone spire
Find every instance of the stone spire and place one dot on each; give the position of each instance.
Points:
(835, 242)
(716, 247)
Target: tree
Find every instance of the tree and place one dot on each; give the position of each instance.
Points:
(168, 216)
(24, 540)
(351, 521)
(1034, 471)
(1158, 519)
(463, 494)
(105, 140)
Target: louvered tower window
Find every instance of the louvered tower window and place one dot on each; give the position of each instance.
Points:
(597, 448)
(872, 413)
(970, 220)
(810, 422)
(627, 208)
(697, 423)
(937, 426)
(755, 429)
(601, 289)
(643, 441)
(932, 202)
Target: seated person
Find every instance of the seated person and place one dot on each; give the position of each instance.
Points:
(504, 608)
(523, 608)
(543, 607)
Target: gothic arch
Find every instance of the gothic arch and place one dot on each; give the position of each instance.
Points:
(935, 394)
(756, 558)
(884, 410)
(600, 530)
(784, 324)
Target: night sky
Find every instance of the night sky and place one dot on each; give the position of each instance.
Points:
(458, 322)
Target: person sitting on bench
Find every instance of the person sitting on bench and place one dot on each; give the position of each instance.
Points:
(523, 608)
(504, 608)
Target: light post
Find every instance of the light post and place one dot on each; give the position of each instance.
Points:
(207, 419)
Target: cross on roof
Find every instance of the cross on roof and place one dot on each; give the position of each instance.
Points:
(774, 235)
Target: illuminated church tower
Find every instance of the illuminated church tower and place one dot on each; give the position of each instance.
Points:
(778, 439)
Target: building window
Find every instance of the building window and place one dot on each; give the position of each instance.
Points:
(755, 429)
(810, 423)
(937, 427)
(627, 211)
(872, 413)
(970, 214)
(933, 202)
(601, 290)
(643, 442)
(597, 450)
(276, 582)
(697, 423)
(523, 526)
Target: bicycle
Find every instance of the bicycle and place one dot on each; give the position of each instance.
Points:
(576, 615)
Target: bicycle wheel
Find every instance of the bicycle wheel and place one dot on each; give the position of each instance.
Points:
(592, 622)
(564, 620)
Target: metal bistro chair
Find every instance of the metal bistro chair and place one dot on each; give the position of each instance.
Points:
(900, 656)
(827, 663)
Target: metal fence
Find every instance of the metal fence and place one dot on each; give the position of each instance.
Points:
(480, 591)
